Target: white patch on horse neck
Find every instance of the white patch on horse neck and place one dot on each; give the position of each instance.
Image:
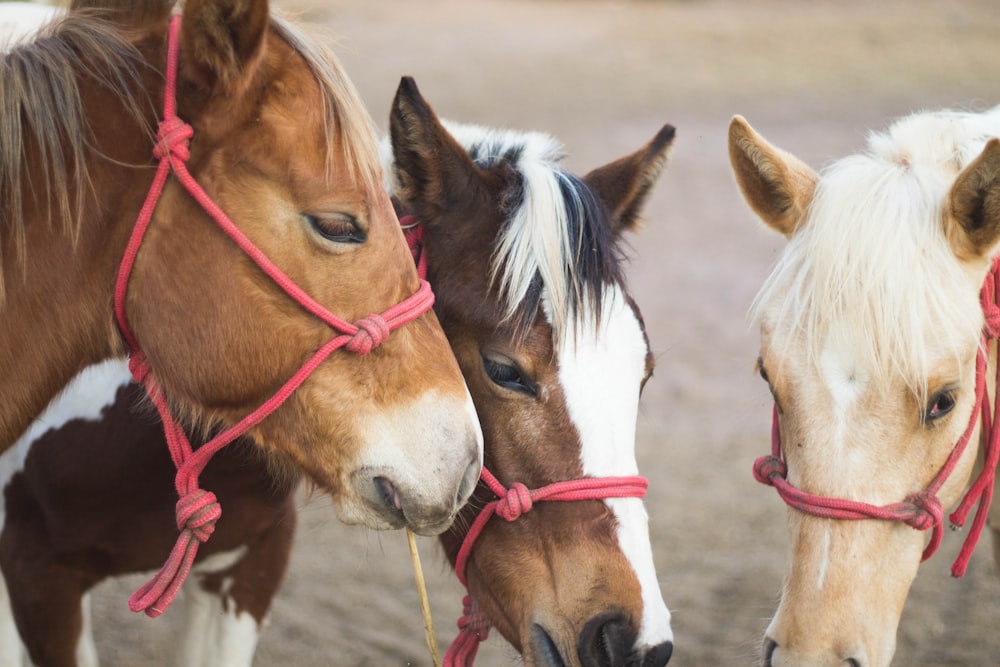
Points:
(85, 397)
(21, 20)
(601, 372)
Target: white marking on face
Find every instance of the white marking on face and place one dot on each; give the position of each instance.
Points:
(844, 381)
(601, 373)
(824, 562)
(427, 469)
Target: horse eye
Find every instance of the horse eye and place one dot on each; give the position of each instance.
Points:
(507, 376)
(939, 405)
(761, 370)
(337, 228)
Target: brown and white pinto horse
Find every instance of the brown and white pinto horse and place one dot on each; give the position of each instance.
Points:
(283, 146)
(88, 494)
(584, 591)
(527, 263)
(872, 342)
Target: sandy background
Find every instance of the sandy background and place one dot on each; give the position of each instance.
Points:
(603, 77)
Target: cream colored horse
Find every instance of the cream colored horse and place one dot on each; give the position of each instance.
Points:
(870, 326)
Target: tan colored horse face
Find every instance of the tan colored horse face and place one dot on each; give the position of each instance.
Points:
(863, 415)
(392, 436)
(845, 437)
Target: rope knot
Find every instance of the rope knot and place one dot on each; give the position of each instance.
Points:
(766, 468)
(372, 332)
(197, 512)
(928, 512)
(991, 313)
(138, 366)
(515, 502)
(172, 139)
(473, 619)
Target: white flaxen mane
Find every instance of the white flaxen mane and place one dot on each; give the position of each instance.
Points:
(871, 259)
(552, 217)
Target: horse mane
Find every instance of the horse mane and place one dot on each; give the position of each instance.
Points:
(346, 119)
(40, 104)
(871, 261)
(555, 247)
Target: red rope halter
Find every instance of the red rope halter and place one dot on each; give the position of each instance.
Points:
(511, 503)
(198, 510)
(921, 510)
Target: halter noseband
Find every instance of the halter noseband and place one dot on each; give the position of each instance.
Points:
(198, 510)
(921, 510)
(511, 503)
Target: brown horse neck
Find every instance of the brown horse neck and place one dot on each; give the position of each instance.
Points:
(57, 314)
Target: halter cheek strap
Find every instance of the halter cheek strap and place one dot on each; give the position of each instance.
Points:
(921, 510)
(198, 510)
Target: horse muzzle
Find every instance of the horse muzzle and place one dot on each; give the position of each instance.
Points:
(607, 640)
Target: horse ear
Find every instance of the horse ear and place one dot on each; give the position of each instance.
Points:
(430, 168)
(625, 183)
(973, 223)
(222, 41)
(777, 185)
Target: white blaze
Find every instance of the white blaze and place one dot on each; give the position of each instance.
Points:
(601, 373)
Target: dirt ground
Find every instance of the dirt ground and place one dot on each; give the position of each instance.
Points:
(603, 77)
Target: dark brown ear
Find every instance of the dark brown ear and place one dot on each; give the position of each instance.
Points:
(126, 12)
(973, 223)
(777, 185)
(432, 170)
(624, 184)
(222, 41)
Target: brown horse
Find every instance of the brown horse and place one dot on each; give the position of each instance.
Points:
(283, 147)
(527, 263)
(591, 600)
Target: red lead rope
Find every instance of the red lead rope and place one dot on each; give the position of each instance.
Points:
(921, 510)
(198, 510)
(474, 626)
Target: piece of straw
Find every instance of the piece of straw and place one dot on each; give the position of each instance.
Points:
(425, 607)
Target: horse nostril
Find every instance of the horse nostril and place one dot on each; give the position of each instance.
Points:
(469, 480)
(388, 493)
(659, 655)
(853, 662)
(606, 641)
(770, 646)
(546, 652)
